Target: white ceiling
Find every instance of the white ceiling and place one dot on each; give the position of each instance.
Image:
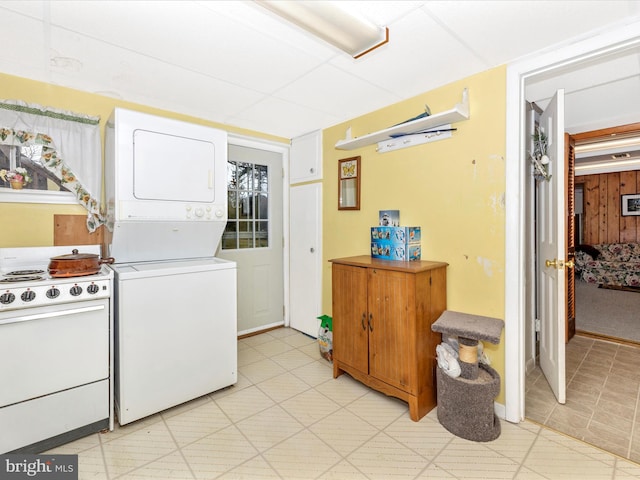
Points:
(236, 63)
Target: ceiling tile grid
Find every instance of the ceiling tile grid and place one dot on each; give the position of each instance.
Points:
(234, 62)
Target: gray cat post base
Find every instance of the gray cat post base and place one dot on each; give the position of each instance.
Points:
(465, 403)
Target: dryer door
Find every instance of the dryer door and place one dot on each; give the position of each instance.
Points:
(173, 168)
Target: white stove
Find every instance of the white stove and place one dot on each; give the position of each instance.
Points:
(56, 351)
(25, 281)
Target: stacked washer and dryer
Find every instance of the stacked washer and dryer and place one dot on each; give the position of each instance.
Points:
(174, 301)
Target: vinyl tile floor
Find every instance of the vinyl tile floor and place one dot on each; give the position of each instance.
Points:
(287, 418)
(603, 388)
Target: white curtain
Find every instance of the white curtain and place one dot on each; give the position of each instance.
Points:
(71, 148)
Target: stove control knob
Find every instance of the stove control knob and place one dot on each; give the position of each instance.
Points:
(75, 290)
(28, 295)
(53, 292)
(93, 289)
(7, 298)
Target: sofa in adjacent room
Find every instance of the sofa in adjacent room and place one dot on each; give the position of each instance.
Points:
(616, 264)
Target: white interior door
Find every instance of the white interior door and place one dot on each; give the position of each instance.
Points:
(253, 237)
(305, 257)
(550, 230)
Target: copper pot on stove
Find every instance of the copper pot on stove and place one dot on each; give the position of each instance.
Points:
(76, 264)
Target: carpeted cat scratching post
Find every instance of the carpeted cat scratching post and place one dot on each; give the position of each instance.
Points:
(465, 403)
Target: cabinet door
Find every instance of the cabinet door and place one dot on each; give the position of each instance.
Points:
(350, 329)
(306, 158)
(392, 327)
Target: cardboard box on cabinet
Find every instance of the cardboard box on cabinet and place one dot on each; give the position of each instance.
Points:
(396, 235)
(396, 251)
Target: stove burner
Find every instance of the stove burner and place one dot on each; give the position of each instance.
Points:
(26, 278)
(23, 273)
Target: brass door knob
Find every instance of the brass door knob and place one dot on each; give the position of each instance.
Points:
(555, 263)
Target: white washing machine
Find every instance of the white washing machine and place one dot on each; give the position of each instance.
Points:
(176, 333)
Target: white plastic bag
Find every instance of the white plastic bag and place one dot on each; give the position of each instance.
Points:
(447, 360)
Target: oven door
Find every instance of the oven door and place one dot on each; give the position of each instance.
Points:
(49, 349)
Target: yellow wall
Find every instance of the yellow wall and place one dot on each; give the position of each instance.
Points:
(453, 189)
(32, 224)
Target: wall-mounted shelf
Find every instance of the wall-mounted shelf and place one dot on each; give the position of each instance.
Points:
(458, 113)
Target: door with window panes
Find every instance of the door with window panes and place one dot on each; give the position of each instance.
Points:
(253, 235)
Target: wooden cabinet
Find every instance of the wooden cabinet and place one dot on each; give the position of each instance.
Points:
(382, 316)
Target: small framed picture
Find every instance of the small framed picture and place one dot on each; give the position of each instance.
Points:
(631, 204)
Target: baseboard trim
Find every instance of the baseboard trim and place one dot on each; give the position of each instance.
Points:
(599, 336)
(258, 330)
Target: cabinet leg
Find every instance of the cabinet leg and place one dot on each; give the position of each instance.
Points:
(414, 409)
(336, 370)
(421, 405)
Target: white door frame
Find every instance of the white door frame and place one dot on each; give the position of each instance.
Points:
(517, 168)
(283, 149)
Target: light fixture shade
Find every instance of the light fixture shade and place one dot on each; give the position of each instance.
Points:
(328, 21)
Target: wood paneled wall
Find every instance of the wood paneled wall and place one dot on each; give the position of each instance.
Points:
(602, 221)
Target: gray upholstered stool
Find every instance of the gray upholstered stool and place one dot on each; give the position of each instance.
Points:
(465, 403)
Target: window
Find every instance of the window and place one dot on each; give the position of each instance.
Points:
(52, 148)
(248, 206)
(29, 158)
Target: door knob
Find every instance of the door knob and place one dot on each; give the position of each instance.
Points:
(559, 263)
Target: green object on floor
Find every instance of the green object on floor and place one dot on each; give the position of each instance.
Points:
(326, 322)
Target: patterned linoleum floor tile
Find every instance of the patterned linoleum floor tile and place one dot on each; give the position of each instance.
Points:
(603, 388)
(287, 418)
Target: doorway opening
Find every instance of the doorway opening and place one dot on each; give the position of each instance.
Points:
(518, 277)
(608, 293)
(600, 397)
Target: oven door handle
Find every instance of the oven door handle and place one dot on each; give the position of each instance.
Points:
(61, 313)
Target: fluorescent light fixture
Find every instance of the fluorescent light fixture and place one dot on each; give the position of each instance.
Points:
(607, 145)
(606, 167)
(334, 25)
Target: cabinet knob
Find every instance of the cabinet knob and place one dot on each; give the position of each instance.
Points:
(364, 316)
(371, 322)
(312, 249)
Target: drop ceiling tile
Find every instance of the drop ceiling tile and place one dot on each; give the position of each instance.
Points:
(282, 118)
(89, 65)
(188, 35)
(30, 59)
(502, 31)
(35, 9)
(331, 90)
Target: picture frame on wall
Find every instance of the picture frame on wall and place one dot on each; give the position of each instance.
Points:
(631, 205)
(349, 183)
